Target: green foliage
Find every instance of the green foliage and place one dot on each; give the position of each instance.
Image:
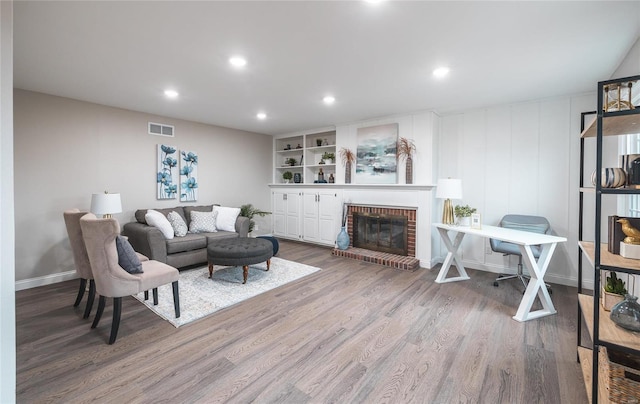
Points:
(249, 211)
(615, 285)
(287, 175)
(329, 156)
(463, 211)
(291, 161)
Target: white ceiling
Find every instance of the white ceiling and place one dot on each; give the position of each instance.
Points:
(376, 60)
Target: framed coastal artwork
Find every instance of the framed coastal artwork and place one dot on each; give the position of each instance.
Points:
(376, 160)
(166, 185)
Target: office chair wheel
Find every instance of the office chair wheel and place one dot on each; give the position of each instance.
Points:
(495, 284)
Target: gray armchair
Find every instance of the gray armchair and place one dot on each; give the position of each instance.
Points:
(111, 279)
(536, 224)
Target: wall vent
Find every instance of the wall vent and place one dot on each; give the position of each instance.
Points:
(161, 129)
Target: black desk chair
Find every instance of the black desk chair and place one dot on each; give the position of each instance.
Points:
(535, 224)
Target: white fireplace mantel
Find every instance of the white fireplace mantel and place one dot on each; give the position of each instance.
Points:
(416, 196)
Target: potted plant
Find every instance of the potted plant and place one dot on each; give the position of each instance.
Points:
(463, 214)
(291, 161)
(287, 175)
(329, 156)
(614, 291)
(405, 149)
(249, 211)
(348, 158)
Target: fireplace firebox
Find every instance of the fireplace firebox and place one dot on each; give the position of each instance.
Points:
(380, 232)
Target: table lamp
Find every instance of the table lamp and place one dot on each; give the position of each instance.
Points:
(448, 189)
(105, 204)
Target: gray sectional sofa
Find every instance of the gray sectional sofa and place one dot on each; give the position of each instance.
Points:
(178, 252)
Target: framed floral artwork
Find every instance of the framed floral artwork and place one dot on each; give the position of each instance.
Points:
(167, 188)
(188, 176)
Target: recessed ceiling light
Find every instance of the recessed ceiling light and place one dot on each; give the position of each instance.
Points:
(329, 99)
(441, 72)
(171, 93)
(238, 61)
(261, 115)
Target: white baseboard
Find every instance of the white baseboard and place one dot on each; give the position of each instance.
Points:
(45, 280)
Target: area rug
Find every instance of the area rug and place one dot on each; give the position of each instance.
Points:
(201, 295)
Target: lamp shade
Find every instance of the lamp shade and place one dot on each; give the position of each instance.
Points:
(449, 188)
(105, 204)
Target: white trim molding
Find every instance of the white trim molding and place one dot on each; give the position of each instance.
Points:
(45, 280)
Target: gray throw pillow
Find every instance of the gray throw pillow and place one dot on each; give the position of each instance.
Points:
(127, 257)
(178, 224)
(203, 222)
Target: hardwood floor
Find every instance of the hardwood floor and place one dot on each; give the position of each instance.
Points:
(351, 333)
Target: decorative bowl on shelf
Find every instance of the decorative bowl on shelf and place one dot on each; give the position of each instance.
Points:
(626, 314)
(611, 178)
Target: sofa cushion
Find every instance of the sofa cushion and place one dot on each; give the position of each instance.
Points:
(187, 243)
(189, 209)
(179, 226)
(159, 221)
(178, 209)
(203, 222)
(221, 235)
(127, 257)
(141, 213)
(226, 218)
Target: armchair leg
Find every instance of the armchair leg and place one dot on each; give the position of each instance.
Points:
(101, 303)
(83, 286)
(90, 298)
(155, 296)
(117, 310)
(176, 299)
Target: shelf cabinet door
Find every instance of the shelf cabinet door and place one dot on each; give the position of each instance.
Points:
(310, 225)
(320, 216)
(328, 214)
(286, 213)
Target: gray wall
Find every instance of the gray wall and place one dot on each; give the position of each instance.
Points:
(7, 263)
(65, 150)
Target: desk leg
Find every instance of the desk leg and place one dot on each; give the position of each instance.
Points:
(536, 286)
(452, 247)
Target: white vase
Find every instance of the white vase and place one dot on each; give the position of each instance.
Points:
(464, 221)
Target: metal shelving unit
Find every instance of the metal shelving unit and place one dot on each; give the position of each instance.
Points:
(602, 331)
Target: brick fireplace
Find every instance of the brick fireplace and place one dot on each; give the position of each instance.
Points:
(384, 248)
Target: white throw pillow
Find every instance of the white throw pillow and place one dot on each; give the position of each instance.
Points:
(226, 218)
(159, 221)
(203, 222)
(178, 224)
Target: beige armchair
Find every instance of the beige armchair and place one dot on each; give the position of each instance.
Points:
(80, 258)
(111, 279)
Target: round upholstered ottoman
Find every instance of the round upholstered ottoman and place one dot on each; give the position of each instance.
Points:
(272, 240)
(239, 252)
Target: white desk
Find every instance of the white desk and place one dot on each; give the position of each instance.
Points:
(524, 240)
